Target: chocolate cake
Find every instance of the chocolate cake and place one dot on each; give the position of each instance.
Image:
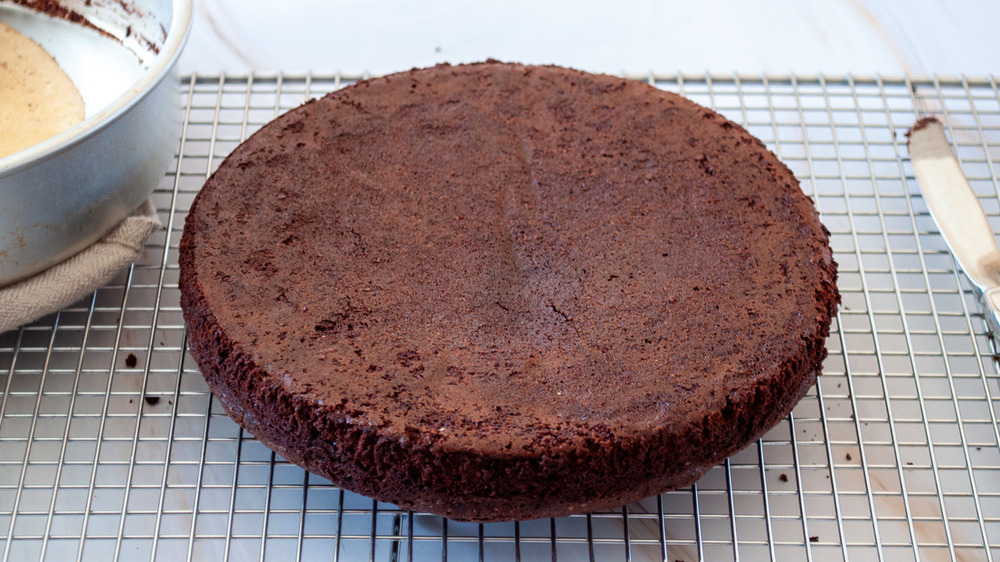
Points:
(498, 291)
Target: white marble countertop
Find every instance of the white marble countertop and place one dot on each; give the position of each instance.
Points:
(891, 37)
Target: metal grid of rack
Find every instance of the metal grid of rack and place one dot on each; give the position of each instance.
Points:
(111, 446)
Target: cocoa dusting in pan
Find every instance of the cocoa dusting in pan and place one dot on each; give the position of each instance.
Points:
(55, 9)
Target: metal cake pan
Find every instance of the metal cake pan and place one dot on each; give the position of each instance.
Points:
(63, 194)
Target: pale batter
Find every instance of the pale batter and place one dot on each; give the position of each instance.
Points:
(37, 99)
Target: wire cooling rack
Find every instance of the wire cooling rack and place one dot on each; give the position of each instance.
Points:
(111, 446)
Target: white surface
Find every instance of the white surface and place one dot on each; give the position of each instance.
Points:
(917, 37)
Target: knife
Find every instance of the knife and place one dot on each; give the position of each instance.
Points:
(958, 215)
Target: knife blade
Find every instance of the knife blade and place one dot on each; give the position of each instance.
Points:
(958, 214)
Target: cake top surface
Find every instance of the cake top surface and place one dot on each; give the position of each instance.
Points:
(498, 256)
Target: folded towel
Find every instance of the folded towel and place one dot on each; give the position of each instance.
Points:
(73, 278)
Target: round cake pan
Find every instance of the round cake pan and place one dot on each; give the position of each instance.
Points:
(63, 194)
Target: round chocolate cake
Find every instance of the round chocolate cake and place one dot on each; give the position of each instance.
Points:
(498, 291)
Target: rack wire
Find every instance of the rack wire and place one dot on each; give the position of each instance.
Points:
(111, 446)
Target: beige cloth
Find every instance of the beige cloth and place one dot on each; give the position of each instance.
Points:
(75, 277)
